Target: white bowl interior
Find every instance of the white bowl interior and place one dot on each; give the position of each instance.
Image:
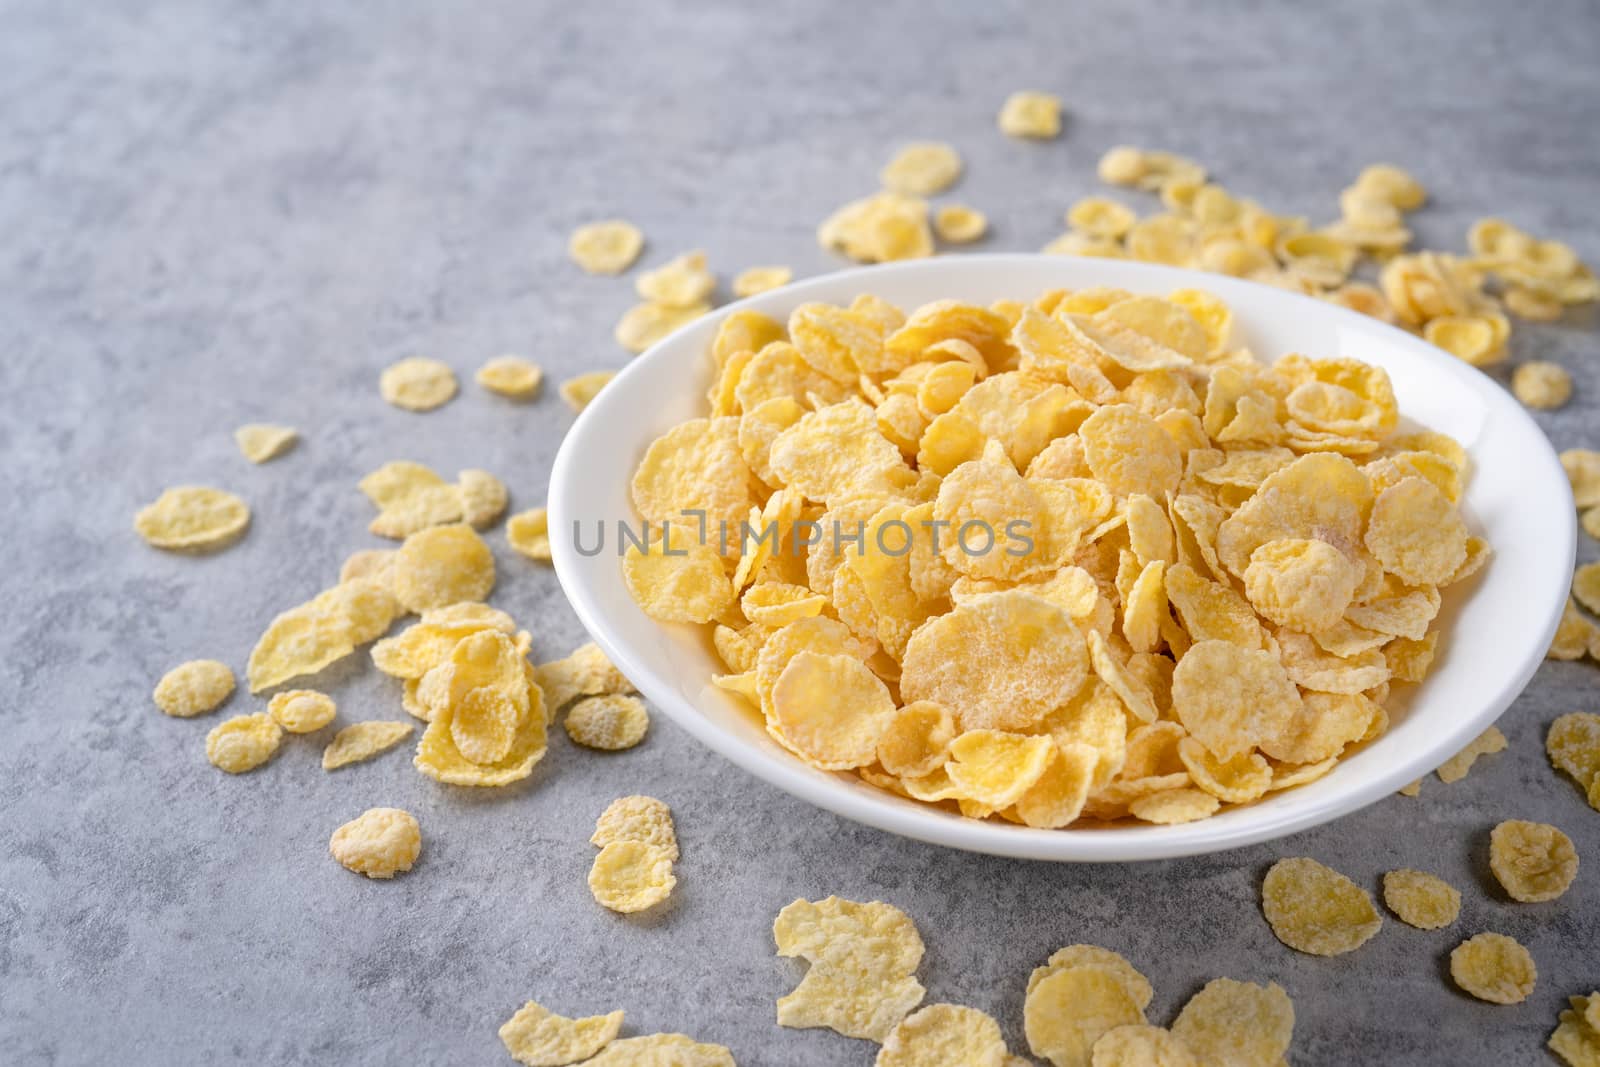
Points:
(1496, 628)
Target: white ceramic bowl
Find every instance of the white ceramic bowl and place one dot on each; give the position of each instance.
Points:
(1496, 630)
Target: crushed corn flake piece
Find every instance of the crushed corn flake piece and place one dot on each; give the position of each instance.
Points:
(243, 743)
(607, 247)
(537, 1037)
(262, 441)
(194, 688)
(863, 960)
(192, 518)
(362, 741)
(1421, 899)
(1315, 909)
(379, 843)
(1495, 968)
(1456, 767)
(1532, 861)
(418, 384)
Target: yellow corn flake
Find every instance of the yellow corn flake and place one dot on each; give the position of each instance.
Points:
(830, 710)
(1420, 899)
(611, 722)
(483, 497)
(1535, 305)
(579, 391)
(529, 533)
(645, 820)
(761, 280)
(427, 506)
(1102, 959)
(537, 1037)
(1392, 185)
(1232, 699)
(1416, 533)
(1031, 114)
(261, 441)
(1237, 781)
(879, 229)
(376, 564)
(419, 648)
(1302, 584)
(194, 688)
(1456, 767)
(695, 466)
(922, 168)
(1495, 968)
(488, 725)
(863, 960)
(325, 629)
(379, 843)
(512, 377)
(417, 384)
(442, 565)
(1167, 807)
(661, 1050)
(1574, 634)
(586, 672)
(686, 583)
(642, 325)
(958, 224)
(1573, 745)
(916, 739)
(193, 518)
(1586, 586)
(630, 876)
(1102, 217)
(1315, 909)
(302, 711)
(1532, 861)
(396, 480)
(1590, 521)
(943, 1034)
(680, 283)
(606, 247)
(243, 743)
(1070, 1009)
(1541, 384)
(1473, 338)
(1237, 1023)
(1141, 1045)
(1577, 1037)
(362, 741)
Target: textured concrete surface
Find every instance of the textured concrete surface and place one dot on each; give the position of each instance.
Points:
(220, 212)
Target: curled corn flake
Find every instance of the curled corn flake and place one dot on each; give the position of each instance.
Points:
(637, 818)
(1577, 1037)
(630, 876)
(442, 565)
(1455, 768)
(760, 280)
(916, 739)
(302, 711)
(379, 843)
(1102, 217)
(579, 391)
(1137, 985)
(1317, 910)
(1420, 899)
(243, 743)
(439, 757)
(261, 441)
(362, 741)
(922, 169)
(1237, 1023)
(958, 224)
(192, 518)
(417, 384)
(537, 1037)
(194, 688)
(1583, 472)
(529, 533)
(661, 1050)
(1495, 968)
(606, 247)
(1574, 634)
(310, 636)
(862, 979)
(1573, 745)
(511, 376)
(941, 1034)
(1031, 114)
(1532, 861)
(585, 672)
(611, 722)
(1542, 384)
(1068, 1011)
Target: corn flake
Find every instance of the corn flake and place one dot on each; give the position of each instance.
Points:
(611, 722)
(958, 224)
(193, 518)
(643, 819)
(1455, 768)
(862, 979)
(1420, 899)
(607, 247)
(1031, 114)
(1237, 1023)
(1495, 968)
(1103, 959)
(1141, 1045)
(1573, 745)
(418, 384)
(529, 533)
(261, 442)
(661, 1050)
(442, 565)
(579, 391)
(378, 843)
(943, 1034)
(1069, 1009)
(1532, 861)
(511, 376)
(1315, 909)
(194, 688)
(537, 1037)
(362, 741)
(760, 280)
(922, 168)
(302, 711)
(630, 876)
(243, 743)
(1541, 384)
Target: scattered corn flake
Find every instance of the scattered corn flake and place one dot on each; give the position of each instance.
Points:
(1577, 1037)
(488, 727)
(585, 672)
(630, 876)
(537, 1037)
(483, 497)
(644, 324)
(943, 1034)
(679, 284)
(1573, 745)
(579, 391)
(1532, 861)
(1237, 1023)
(263, 441)
(760, 280)
(379, 843)
(302, 711)
(1315, 909)
(637, 818)
(362, 741)
(194, 688)
(661, 1050)
(417, 384)
(611, 722)
(606, 247)
(1456, 767)
(1583, 471)
(1104, 959)
(1586, 586)
(529, 533)
(1574, 634)
(1070, 1009)
(192, 518)
(442, 565)
(310, 636)
(958, 224)
(921, 168)
(243, 743)
(511, 376)
(862, 979)
(1590, 521)
(1495, 968)
(1031, 114)
(1421, 899)
(879, 229)
(1542, 384)
(1141, 1045)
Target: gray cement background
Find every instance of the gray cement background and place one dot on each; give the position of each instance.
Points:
(219, 212)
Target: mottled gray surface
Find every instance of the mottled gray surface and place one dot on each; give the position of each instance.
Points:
(212, 213)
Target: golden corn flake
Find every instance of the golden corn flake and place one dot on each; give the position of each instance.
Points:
(644, 324)
(1586, 586)
(921, 169)
(760, 280)
(630, 876)
(1456, 767)
(325, 629)
(442, 565)
(243, 743)
(1583, 471)
(376, 564)
(579, 391)
(261, 441)
(1317, 910)
(1590, 521)
(362, 741)
(417, 384)
(1495, 968)
(1542, 384)
(1573, 745)
(1100, 216)
(1237, 1023)
(943, 1034)
(1232, 699)
(881, 228)
(302, 711)
(830, 710)
(1068, 1011)
(958, 224)
(862, 979)
(1168, 807)
(679, 283)
(194, 688)
(1137, 985)
(586, 672)
(488, 725)
(608, 247)
(537, 1037)
(611, 722)
(661, 1050)
(1141, 1045)
(1420, 899)
(378, 843)
(1577, 1037)
(192, 518)
(511, 376)
(529, 533)
(1532, 861)
(1031, 114)
(684, 583)
(1574, 634)
(637, 818)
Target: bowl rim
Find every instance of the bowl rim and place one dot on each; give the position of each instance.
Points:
(859, 802)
